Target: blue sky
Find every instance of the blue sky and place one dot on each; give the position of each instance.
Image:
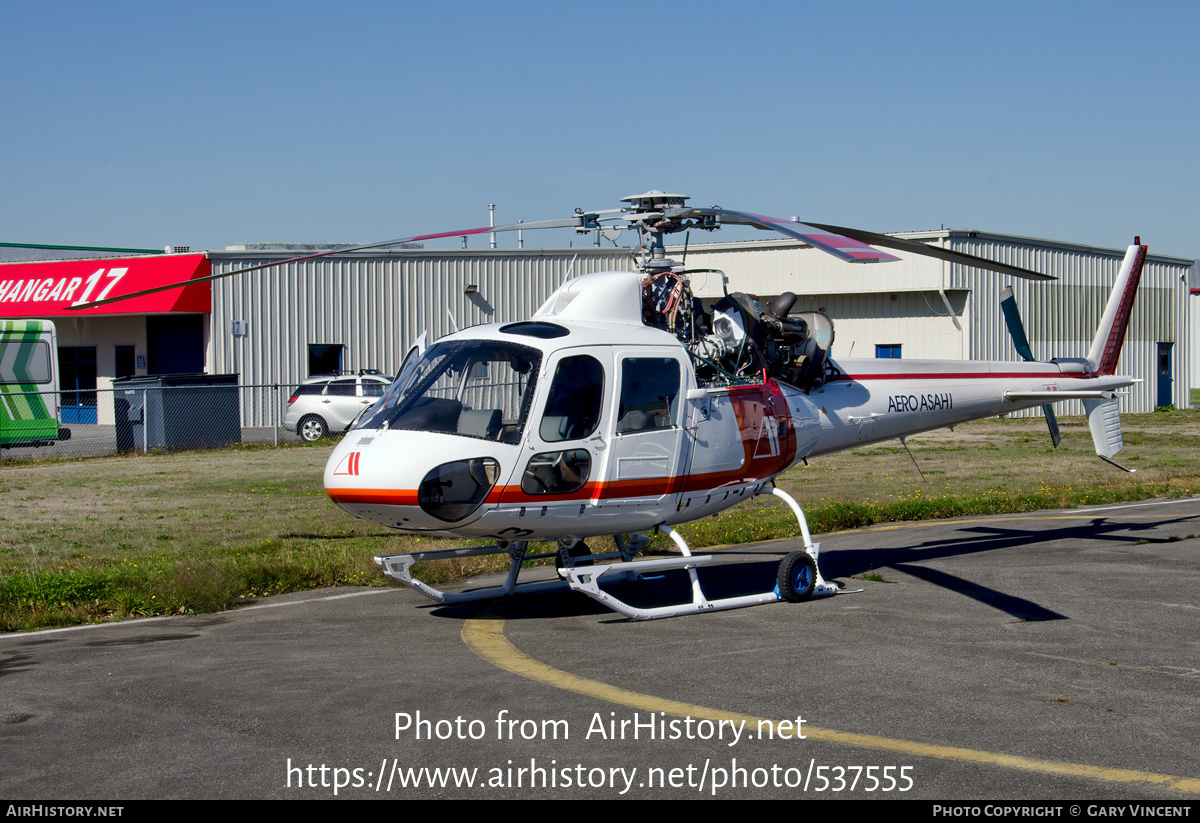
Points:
(142, 124)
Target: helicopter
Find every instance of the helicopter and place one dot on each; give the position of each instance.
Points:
(624, 406)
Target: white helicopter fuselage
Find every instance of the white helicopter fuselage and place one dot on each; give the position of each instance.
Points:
(619, 408)
(583, 421)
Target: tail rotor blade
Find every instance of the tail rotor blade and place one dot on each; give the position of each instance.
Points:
(1052, 424)
(1016, 329)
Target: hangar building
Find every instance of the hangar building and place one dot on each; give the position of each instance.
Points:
(362, 310)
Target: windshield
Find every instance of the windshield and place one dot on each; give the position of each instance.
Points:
(476, 388)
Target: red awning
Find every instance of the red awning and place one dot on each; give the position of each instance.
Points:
(47, 289)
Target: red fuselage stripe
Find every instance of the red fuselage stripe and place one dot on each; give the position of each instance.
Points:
(616, 490)
(952, 376)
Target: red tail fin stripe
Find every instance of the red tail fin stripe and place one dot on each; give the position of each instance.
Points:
(1116, 335)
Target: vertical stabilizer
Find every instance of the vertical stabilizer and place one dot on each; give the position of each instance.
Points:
(1106, 347)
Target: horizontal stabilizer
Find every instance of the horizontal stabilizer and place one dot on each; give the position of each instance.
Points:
(1055, 396)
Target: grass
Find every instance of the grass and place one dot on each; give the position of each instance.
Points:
(873, 577)
(114, 537)
(105, 538)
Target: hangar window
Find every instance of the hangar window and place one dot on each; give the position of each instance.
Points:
(325, 358)
(887, 351)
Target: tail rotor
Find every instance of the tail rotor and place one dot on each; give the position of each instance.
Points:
(1016, 330)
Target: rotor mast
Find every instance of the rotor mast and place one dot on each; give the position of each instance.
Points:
(651, 214)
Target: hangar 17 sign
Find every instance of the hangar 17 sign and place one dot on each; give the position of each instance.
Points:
(50, 289)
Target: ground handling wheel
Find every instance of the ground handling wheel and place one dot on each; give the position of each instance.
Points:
(796, 577)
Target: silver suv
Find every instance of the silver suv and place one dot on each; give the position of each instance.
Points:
(330, 404)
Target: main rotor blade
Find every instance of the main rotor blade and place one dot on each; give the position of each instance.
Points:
(564, 223)
(837, 243)
(890, 242)
(855, 245)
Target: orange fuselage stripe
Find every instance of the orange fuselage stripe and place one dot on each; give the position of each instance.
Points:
(614, 490)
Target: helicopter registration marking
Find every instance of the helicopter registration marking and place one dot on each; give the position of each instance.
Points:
(920, 402)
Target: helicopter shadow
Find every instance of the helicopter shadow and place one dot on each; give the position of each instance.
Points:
(719, 581)
(976, 539)
(756, 573)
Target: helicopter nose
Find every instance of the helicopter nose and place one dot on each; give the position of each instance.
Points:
(412, 480)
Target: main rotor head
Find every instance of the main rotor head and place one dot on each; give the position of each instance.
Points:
(655, 214)
(655, 201)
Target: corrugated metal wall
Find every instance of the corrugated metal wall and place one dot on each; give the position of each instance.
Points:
(1061, 316)
(374, 303)
(917, 321)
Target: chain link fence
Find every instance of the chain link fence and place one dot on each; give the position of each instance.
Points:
(150, 415)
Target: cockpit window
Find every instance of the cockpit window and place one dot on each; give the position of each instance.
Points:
(573, 407)
(476, 388)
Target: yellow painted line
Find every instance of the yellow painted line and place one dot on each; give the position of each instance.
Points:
(486, 638)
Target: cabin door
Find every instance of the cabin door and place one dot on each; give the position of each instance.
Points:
(645, 428)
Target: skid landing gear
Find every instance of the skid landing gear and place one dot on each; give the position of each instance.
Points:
(567, 554)
(798, 577)
(587, 580)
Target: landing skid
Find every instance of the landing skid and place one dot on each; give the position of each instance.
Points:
(586, 580)
(798, 578)
(399, 567)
